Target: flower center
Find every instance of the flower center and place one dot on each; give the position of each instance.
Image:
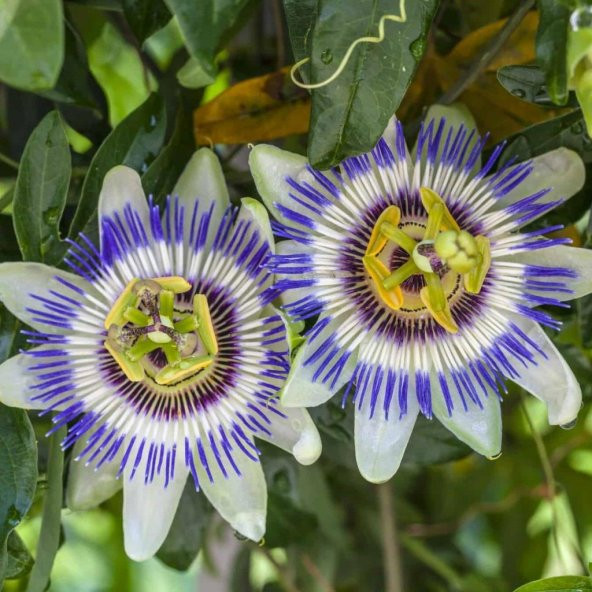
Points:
(444, 247)
(143, 319)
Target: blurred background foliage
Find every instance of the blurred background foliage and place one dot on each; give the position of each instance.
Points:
(88, 84)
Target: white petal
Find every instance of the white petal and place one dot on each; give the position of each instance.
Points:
(16, 382)
(87, 487)
(574, 258)
(122, 186)
(270, 166)
(300, 390)
(255, 211)
(454, 115)
(240, 499)
(551, 380)
(295, 433)
(292, 247)
(480, 428)
(561, 169)
(203, 180)
(380, 442)
(19, 280)
(148, 510)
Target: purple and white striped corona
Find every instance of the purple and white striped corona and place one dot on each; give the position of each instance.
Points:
(160, 354)
(426, 290)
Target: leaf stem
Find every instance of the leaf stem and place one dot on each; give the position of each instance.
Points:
(487, 55)
(391, 556)
(9, 161)
(49, 538)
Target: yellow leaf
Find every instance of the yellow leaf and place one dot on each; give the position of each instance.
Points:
(258, 109)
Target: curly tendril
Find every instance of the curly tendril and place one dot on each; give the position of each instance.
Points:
(400, 18)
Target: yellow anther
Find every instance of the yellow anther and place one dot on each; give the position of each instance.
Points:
(205, 327)
(125, 299)
(398, 236)
(175, 284)
(186, 367)
(393, 298)
(133, 315)
(473, 280)
(392, 215)
(132, 369)
(458, 250)
(429, 198)
(167, 303)
(397, 277)
(434, 298)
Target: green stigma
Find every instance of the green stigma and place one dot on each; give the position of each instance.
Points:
(143, 320)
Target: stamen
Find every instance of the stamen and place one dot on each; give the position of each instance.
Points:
(444, 247)
(142, 320)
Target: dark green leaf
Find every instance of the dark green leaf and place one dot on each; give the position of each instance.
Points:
(568, 130)
(186, 534)
(18, 473)
(31, 43)
(41, 191)
(560, 584)
(162, 174)
(349, 114)
(73, 85)
(286, 523)
(527, 83)
(49, 537)
(206, 25)
(551, 47)
(145, 17)
(301, 15)
(19, 560)
(134, 142)
(9, 250)
(432, 443)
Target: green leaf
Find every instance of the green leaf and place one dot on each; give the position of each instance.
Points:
(41, 191)
(187, 531)
(560, 584)
(286, 523)
(19, 560)
(432, 443)
(31, 43)
(551, 44)
(18, 473)
(206, 25)
(134, 142)
(528, 83)
(350, 113)
(161, 176)
(145, 17)
(73, 85)
(49, 537)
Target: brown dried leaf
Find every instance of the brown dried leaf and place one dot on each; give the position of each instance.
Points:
(258, 109)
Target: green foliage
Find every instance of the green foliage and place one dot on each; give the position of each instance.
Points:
(31, 43)
(41, 191)
(349, 115)
(18, 476)
(551, 44)
(561, 584)
(131, 76)
(135, 142)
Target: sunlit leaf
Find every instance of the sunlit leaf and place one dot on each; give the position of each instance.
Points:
(31, 43)
(262, 108)
(560, 584)
(19, 560)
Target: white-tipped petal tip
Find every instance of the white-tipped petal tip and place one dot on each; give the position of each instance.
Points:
(308, 449)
